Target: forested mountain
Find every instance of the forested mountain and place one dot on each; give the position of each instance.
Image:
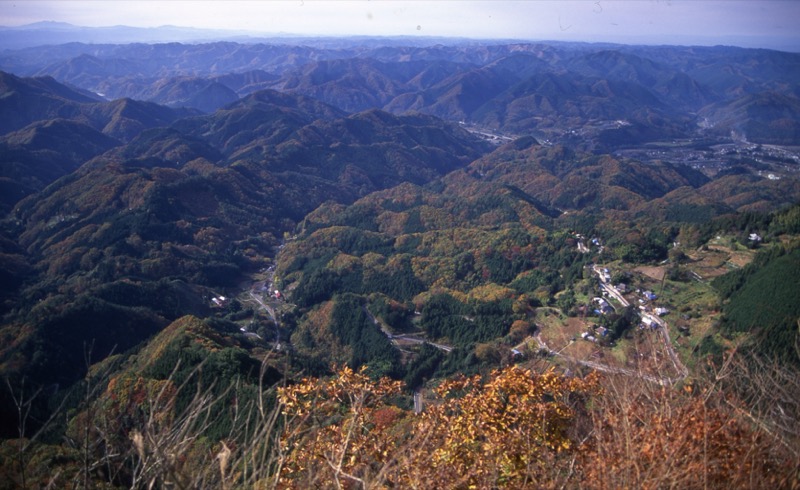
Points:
(140, 234)
(768, 117)
(185, 224)
(568, 179)
(512, 87)
(27, 100)
(40, 153)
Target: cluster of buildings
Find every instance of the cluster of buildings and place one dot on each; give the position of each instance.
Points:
(647, 309)
(582, 248)
(649, 312)
(592, 336)
(601, 306)
(220, 301)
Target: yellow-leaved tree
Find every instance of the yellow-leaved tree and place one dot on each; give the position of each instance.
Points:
(506, 430)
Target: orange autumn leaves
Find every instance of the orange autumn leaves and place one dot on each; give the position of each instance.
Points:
(330, 429)
(504, 429)
(518, 429)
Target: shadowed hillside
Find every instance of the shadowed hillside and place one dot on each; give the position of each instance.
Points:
(405, 263)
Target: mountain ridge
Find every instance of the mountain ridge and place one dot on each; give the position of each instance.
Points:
(312, 211)
(670, 83)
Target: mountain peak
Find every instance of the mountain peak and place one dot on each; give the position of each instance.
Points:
(46, 24)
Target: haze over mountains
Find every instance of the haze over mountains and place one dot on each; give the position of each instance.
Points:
(242, 140)
(448, 181)
(511, 87)
(53, 33)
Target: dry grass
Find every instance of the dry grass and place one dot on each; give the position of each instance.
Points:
(655, 273)
(737, 428)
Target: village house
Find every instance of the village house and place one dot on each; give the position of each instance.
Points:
(220, 301)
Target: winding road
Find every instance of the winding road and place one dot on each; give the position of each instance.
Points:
(255, 294)
(404, 337)
(664, 328)
(661, 380)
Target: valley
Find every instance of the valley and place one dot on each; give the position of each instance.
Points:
(248, 250)
(768, 161)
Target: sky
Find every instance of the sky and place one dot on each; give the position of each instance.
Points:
(752, 23)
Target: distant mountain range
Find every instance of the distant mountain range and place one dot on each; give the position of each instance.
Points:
(537, 89)
(52, 33)
(140, 180)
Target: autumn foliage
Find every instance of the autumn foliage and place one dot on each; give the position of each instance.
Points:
(647, 437)
(335, 429)
(505, 430)
(511, 428)
(518, 429)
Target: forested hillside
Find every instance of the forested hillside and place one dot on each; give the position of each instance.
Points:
(371, 264)
(145, 232)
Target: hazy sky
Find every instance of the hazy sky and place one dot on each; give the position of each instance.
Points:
(650, 21)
